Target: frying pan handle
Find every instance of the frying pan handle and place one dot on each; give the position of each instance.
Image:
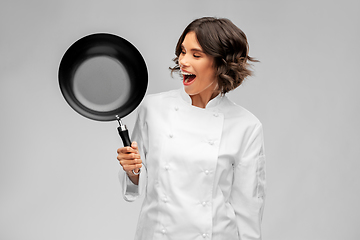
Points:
(124, 134)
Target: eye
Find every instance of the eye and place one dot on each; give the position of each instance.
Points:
(196, 56)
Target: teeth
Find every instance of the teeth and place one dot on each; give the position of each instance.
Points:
(185, 73)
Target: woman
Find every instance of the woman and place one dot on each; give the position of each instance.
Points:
(201, 156)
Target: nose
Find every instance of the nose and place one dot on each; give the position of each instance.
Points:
(182, 61)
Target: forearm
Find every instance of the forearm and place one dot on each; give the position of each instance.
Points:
(134, 178)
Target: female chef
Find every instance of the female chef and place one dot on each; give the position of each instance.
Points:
(198, 156)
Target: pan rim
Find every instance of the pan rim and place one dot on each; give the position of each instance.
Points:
(109, 45)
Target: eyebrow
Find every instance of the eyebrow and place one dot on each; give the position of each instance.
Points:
(193, 49)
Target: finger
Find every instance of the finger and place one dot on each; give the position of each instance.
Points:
(130, 162)
(131, 167)
(128, 156)
(137, 169)
(134, 146)
(126, 150)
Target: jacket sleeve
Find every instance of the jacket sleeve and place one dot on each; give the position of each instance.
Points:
(248, 190)
(131, 191)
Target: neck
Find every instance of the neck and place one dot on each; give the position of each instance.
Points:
(202, 99)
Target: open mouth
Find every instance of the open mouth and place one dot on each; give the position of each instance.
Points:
(188, 78)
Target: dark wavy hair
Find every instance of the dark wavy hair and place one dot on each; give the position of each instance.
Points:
(221, 39)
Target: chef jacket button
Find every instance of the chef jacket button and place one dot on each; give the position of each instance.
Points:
(203, 203)
(171, 135)
(211, 142)
(207, 172)
(216, 114)
(163, 231)
(166, 168)
(176, 108)
(204, 235)
(165, 200)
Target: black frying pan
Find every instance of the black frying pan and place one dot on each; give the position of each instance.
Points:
(103, 77)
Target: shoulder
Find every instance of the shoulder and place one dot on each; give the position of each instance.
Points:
(152, 100)
(157, 101)
(158, 97)
(241, 122)
(234, 111)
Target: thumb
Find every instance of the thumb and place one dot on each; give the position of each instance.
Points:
(134, 145)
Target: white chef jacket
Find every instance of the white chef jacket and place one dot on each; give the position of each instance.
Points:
(203, 170)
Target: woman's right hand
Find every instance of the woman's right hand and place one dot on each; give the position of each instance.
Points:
(129, 159)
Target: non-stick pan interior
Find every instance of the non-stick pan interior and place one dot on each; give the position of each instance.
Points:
(103, 75)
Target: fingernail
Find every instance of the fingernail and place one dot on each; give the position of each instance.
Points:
(135, 144)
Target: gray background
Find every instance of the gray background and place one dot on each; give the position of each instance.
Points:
(58, 170)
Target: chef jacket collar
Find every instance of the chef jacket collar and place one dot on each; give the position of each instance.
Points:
(212, 103)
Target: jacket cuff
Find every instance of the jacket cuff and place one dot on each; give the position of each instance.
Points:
(130, 191)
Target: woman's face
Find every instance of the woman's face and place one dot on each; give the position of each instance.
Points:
(196, 67)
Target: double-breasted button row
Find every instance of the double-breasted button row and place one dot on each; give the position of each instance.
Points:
(210, 142)
(204, 235)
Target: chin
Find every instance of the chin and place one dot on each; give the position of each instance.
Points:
(189, 91)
